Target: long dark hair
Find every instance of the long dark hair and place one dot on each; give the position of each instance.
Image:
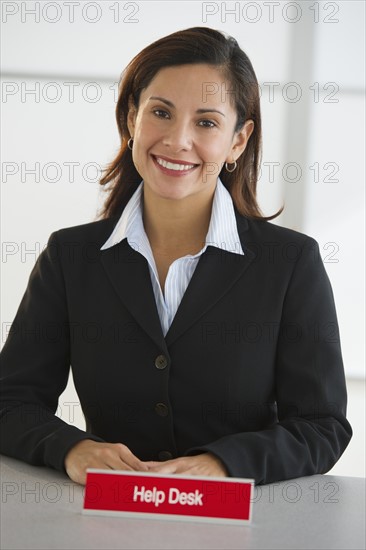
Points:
(191, 46)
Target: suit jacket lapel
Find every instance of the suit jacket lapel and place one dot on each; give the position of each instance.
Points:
(129, 273)
(215, 274)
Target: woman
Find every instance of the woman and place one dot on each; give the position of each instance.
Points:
(214, 348)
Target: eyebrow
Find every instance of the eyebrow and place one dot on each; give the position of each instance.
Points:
(170, 104)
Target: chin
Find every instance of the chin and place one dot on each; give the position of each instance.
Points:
(173, 191)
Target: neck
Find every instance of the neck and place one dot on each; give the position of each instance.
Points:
(177, 226)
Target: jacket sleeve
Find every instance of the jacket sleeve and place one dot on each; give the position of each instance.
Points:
(312, 430)
(35, 364)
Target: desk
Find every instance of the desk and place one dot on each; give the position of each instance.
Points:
(41, 508)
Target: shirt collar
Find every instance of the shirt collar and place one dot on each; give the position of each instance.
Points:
(222, 232)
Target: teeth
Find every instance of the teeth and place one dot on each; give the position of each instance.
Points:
(173, 166)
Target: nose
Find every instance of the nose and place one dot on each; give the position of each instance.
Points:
(178, 136)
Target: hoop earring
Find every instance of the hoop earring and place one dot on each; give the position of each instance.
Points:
(130, 143)
(232, 169)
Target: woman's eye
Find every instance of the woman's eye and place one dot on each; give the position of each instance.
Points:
(161, 113)
(207, 123)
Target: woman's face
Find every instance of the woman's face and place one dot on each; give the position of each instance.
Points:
(183, 131)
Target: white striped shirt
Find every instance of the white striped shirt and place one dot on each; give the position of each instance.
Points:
(222, 233)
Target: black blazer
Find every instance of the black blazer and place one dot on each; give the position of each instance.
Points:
(250, 370)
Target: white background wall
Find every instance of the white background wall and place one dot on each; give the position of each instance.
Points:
(61, 62)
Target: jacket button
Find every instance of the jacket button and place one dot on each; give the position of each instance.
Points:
(161, 409)
(165, 455)
(161, 362)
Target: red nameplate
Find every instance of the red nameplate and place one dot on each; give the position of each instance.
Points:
(215, 499)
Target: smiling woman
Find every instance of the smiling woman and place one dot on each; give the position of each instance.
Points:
(226, 87)
(177, 150)
(228, 368)
(196, 138)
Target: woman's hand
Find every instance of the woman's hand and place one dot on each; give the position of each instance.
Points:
(92, 454)
(205, 464)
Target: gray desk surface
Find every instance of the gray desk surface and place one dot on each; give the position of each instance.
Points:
(41, 508)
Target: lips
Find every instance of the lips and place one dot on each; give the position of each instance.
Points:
(174, 165)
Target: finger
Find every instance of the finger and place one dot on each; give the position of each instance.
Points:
(128, 458)
(151, 463)
(115, 463)
(169, 467)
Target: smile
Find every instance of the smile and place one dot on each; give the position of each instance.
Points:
(175, 166)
